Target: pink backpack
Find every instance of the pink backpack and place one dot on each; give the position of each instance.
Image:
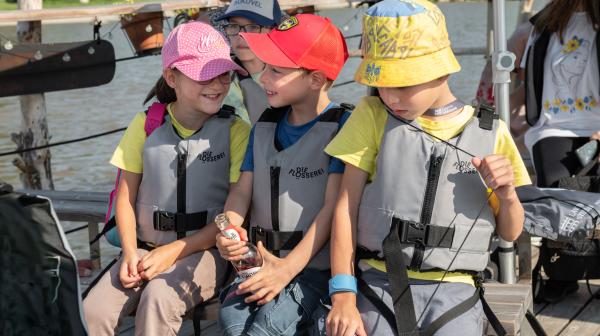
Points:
(155, 116)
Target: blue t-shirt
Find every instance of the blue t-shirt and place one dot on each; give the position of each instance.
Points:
(288, 135)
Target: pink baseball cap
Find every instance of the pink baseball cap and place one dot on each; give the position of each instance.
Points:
(199, 51)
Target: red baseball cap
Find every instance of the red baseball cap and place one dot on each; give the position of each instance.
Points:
(302, 41)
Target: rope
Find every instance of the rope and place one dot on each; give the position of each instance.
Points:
(20, 151)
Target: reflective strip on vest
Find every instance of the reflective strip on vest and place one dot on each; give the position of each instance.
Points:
(303, 173)
(398, 191)
(207, 175)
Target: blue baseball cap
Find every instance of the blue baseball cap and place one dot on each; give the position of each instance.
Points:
(263, 12)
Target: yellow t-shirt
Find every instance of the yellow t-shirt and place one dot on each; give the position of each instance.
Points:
(128, 154)
(358, 142)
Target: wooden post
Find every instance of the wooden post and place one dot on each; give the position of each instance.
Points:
(35, 167)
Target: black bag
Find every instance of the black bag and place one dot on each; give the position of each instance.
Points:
(577, 259)
(39, 287)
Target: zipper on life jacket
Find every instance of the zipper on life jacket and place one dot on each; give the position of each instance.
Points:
(433, 177)
(275, 171)
(181, 190)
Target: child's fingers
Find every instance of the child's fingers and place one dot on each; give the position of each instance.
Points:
(257, 296)
(267, 298)
(360, 331)
(250, 285)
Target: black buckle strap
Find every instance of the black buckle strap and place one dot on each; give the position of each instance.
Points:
(486, 116)
(179, 222)
(429, 235)
(404, 309)
(276, 240)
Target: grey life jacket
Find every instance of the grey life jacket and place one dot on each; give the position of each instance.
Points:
(185, 181)
(253, 95)
(534, 73)
(289, 184)
(433, 194)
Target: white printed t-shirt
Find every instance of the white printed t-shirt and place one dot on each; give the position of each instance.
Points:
(571, 96)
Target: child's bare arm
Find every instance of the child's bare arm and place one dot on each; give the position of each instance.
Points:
(126, 225)
(344, 318)
(497, 172)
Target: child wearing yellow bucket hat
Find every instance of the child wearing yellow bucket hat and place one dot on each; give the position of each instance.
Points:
(427, 183)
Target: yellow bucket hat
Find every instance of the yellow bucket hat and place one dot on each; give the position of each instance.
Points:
(405, 43)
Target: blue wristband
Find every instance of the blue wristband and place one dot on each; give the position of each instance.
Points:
(342, 283)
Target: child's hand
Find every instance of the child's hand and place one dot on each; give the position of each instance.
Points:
(344, 318)
(157, 261)
(497, 173)
(267, 283)
(128, 273)
(232, 250)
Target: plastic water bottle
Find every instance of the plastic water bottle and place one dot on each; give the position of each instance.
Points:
(252, 261)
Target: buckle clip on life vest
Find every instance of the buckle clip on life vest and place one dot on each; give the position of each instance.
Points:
(486, 114)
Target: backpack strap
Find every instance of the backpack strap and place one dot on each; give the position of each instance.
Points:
(155, 116)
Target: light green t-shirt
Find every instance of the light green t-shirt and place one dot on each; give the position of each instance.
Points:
(236, 99)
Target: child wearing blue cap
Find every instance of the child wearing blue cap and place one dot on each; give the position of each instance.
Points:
(250, 16)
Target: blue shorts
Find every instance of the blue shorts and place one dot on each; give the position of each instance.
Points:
(291, 311)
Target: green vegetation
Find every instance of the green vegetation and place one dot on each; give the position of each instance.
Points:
(6, 5)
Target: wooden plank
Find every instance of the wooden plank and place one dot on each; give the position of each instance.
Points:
(509, 303)
(587, 322)
(110, 10)
(555, 317)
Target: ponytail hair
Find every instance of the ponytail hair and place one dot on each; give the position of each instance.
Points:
(162, 91)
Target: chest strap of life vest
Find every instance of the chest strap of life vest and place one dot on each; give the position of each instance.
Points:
(275, 240)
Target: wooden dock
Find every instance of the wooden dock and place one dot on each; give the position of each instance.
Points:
(577, 315)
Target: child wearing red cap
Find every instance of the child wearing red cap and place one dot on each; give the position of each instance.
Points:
(288, 181)
(174, 179)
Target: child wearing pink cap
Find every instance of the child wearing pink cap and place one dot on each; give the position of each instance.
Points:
(173, 182)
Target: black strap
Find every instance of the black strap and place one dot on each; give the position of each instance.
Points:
(112, 223)
(179, 222)
(489, 313)
(487, 115)
(181, 187)
(453, 313)
(370, 294)
(97, 279)
(406, 320)
(411, 232)
(226, 111)
(276, 240)
(535, 324)
(275, 172)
